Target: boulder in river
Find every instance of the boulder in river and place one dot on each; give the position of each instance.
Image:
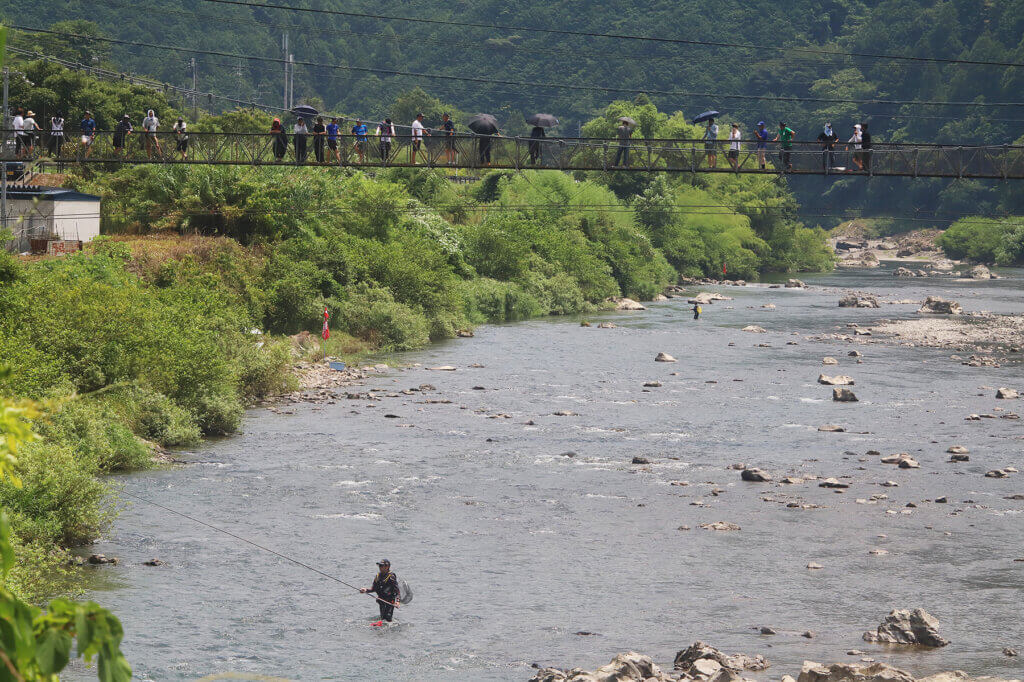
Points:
(854, 301)
(838, 380)
(1007, 394)
(696, 656)
(754, 328)
(626, 304)
(627, 667)
(832, 428)
(903, 626)
(755, 475)
(720, 525)
(795, 284)
(843, 395)
(903, 272)
(852, 672)
(664, 357)
(934, 304)
(827, 360)
(707, 298)
(957, 450)
(980, 272)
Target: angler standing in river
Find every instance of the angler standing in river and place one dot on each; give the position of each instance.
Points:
(385, 584)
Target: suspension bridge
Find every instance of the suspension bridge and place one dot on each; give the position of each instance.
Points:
(481, 152)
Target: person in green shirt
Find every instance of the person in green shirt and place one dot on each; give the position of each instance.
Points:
(785, 135)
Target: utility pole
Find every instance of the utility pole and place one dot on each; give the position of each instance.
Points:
(284, 50)
(195, 90)
(3, 150)
(291, 81)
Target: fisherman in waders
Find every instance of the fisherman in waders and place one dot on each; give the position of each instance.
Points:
(385, 584)
(696, 311)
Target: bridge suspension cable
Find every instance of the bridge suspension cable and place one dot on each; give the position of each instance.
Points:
(524, 84)
(614, 36)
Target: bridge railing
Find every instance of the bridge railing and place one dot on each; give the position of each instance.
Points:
(478, 152)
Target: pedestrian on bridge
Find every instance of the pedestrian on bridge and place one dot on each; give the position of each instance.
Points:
(280, 140)
(29, 128)
(786, 135)
(385, 131)
(828, 139)
(865, 145)
(761, 137)
(301, 133)
(332, 140)
(711, 143)
(448, 126)
(359, 131)
(319, 139)
(56, 134)
(735, 143)
(150, 124)
(122, 131)
(856, 140)
(623, 132)
(181, 137)
(18, 123)
(88, 128)
(418, 131)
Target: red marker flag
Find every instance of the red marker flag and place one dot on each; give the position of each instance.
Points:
(723, 268)
(326, 333)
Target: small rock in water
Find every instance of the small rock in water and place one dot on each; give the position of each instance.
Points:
(606, 325)
(838, 380)
(814, 566)
(720, 525)
(584, 324)
(768, 631)
(755, 475)
(153, 562)
(1009, 652)
(1007, 394)
(941, 500)
(807, 634)
(832, 428)
(833, 483)
(957, 450)
(829, 361)
(98, 559)
(652, 384)
(843, 395)
(641, 460)
(855, 354)
(909, 463)
(997, 473)
(754, 328)
(565, 413)
(878, 552)
(664, 357)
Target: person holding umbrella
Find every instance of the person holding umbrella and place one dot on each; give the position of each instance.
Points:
(300, 135)
(486, 126)
(539, 123)
(623, 132)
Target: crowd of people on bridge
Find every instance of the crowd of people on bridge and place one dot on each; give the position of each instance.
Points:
(328, 140)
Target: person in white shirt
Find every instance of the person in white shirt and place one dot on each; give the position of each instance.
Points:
(418, 131)
(181, 134)
(856, 140)
(734, 146)
(18, 123)
(385, 131)
(150, 124)
(711, 143)
(301, 136)
(29, 127)
(56, 134)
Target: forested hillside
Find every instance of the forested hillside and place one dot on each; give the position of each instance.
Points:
(784, 64)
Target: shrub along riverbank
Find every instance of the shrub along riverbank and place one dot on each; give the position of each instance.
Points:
(147, 337)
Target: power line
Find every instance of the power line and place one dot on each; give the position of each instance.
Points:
(616, 36)
(526, 84)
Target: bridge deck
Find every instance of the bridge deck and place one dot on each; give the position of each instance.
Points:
(570, 154)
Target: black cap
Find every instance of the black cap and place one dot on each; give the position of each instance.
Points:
(383, 562)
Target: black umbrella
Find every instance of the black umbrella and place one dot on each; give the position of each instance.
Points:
(305, 111)
(543, 120)
(483, 124)
(627, 120)
(705, 116)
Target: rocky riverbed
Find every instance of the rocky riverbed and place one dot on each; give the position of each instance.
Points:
(557, 496)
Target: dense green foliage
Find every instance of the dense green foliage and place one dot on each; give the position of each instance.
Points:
(951, 29)
(36, 644)
(982, 240)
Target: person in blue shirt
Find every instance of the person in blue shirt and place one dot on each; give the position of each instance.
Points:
(359, 130)
(761, 136)
(88, 126)
(332, 139)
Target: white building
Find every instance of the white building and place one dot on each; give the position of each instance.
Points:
(50, 213)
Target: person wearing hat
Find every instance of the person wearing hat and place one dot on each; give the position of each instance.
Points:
(121, 132)
(359, 131)
(150, 125)
(449, 138)
(418, 131)
(28, 129)
(785, 135)
(385, 584)
(385, 131)
(181, 136)
(761, 138)
(856, 140)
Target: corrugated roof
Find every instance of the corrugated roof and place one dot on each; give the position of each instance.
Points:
(48, 193)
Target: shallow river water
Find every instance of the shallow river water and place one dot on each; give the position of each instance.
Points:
(512, 547)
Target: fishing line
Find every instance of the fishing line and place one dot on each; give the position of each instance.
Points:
(254, 544)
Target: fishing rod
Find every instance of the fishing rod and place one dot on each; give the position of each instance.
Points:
(257, 545)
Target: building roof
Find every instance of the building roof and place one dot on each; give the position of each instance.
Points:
(48, 194)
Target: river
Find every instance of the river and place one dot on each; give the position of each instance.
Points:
(512, 546)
